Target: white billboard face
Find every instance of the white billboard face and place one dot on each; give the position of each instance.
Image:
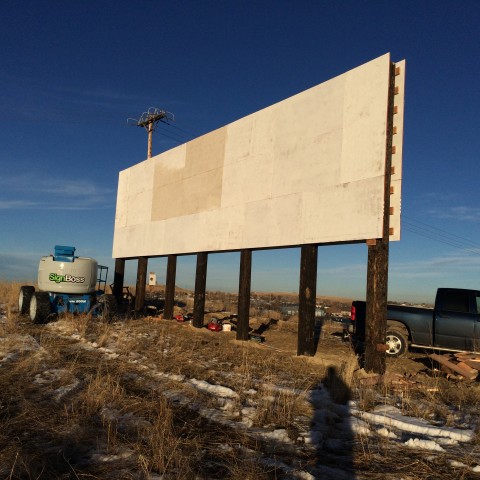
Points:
(310, 169)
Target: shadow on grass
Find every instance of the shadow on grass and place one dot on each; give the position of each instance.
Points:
(331, 432)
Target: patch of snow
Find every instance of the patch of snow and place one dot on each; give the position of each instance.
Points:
(55, 374)
(125, 420)
(219, 390)
(170, 376)
(390, 416)
(49, 376)
(358, 426)
(279, 435)
(15, 345)
(108, 353)
(312, 438)
(424, 444)
(104, 458)
(59, 393)
(385, 432)
(226, 404)
(446, 441)
(248, 414)
(283, 390)
(10, 356)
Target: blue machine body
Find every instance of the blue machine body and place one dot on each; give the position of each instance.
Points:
(64, 254)
(64, 302)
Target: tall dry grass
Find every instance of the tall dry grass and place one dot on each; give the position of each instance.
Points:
(9, 299)
(69, 411)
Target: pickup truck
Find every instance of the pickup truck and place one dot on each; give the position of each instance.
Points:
(452, 325)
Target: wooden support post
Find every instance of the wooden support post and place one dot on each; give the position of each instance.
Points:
(118, 278)
(170, 287)
(307, 300)
(376, 310)
(244, 294)
(377, 273)
(200, 284)
(141, 283)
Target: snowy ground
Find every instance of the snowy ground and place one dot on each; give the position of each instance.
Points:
(225, 399)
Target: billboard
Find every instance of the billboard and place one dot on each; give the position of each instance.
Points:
(309, 169)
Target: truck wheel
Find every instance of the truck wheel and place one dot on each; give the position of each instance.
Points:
(107, 307)
(396, 342)
(40, 307)
(24, 298)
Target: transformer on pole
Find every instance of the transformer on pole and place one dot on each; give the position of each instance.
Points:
(149, 120)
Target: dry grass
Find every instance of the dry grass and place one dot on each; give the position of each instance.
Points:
(85, 399)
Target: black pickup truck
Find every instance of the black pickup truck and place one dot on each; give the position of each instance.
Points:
(452, 325)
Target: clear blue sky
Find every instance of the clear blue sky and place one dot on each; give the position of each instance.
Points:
(72, 73)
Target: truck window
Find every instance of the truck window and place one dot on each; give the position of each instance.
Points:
(455, 302)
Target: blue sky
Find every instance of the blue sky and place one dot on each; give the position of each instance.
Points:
(73, 72)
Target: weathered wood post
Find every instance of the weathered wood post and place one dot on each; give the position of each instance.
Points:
(244, 285)
(200, 285)
(170, 287)
(376, 310)
(307, 300)
(118, 278)
(377, 271)
(141, 283)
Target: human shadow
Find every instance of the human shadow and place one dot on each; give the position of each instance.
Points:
(331, 432)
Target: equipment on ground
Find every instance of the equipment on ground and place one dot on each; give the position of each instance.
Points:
(215, 325)
(67, 283)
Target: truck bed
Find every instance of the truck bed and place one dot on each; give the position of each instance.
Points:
(419, 320)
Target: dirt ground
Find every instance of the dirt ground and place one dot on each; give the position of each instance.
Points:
(331, 348)
(95, 377)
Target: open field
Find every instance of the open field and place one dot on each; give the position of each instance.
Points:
(149, 398)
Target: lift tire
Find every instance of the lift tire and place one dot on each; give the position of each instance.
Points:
(24, 297)
(397, 343)
(106, 307)
(40, 307)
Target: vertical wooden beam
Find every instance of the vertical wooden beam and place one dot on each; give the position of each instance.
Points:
(141, 283)
(118, 278)
(244, 285)
(377, 272)
(200, 284)
(307, 300)
(376, 310)
(170, 287)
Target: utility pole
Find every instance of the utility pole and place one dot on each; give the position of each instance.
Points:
(149, 120)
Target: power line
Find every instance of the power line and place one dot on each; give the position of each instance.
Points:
(188, 132)
(445, 242)
(164, 127)
(441, 231)
(171, 137)
(441, 236)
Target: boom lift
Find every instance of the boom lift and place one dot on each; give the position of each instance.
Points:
(67, 283)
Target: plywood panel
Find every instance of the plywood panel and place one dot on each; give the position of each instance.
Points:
(309, 169)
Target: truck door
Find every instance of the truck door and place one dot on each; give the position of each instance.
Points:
(456, 320)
